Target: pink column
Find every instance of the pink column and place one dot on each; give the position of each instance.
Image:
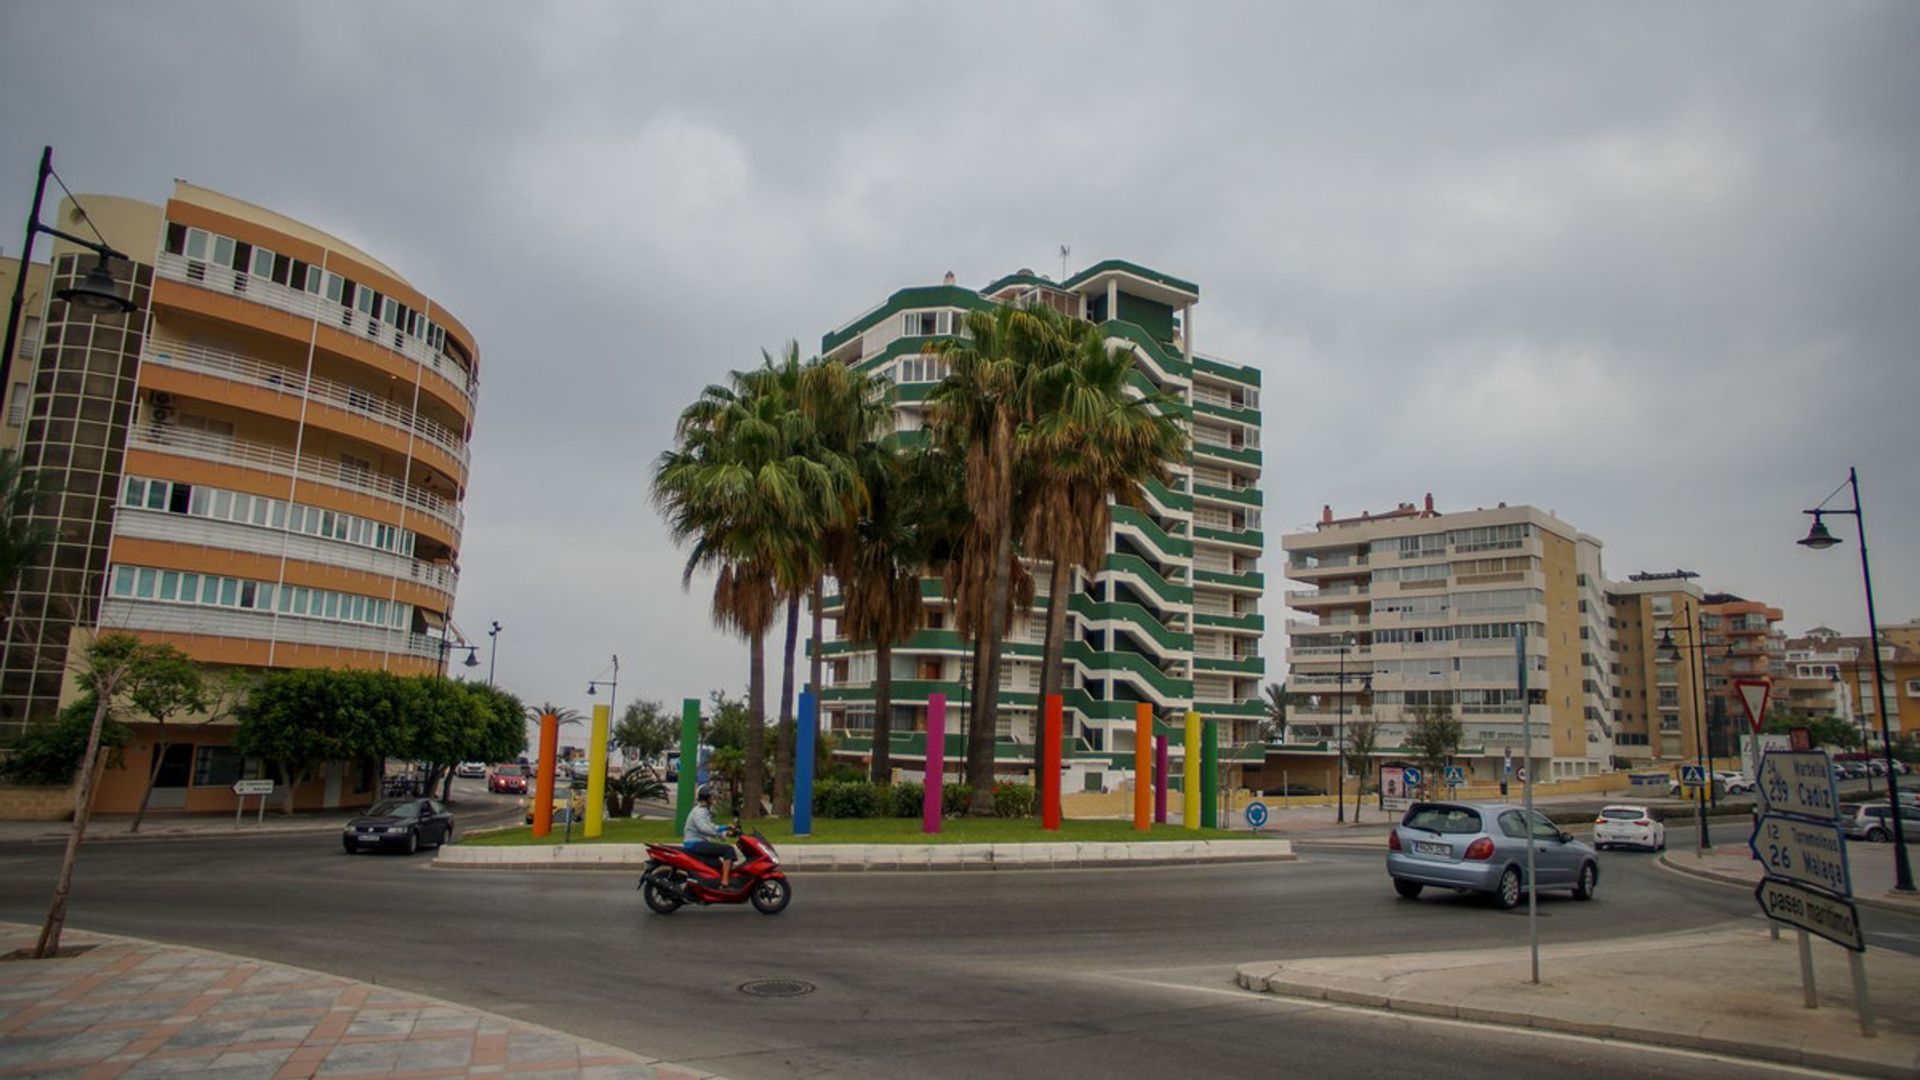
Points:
(1050, 766)
(1160, 779)
(936, 762)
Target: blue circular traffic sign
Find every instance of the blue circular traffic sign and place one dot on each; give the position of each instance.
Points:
(1411, 776)
(1256, 814)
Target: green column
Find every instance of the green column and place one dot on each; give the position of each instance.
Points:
(689, 781)
(1210, 774)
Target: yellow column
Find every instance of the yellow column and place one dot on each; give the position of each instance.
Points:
(1190, 773)
(597, 771)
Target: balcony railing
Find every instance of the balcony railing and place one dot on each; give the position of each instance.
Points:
(243, 369)
(222, 279)
(275, 459)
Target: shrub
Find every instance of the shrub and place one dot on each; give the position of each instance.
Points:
(909, 799)
(1012, 800)
(49, 753)
(954, 799)
(848, 799)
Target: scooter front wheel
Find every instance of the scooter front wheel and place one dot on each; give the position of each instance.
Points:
(771, 895)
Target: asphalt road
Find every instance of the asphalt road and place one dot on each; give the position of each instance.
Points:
(1105, 972)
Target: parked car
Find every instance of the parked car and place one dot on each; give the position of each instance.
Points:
(470, 770)
(1283, 790)
(1869, 822)
(1735, 783)
(1482, 847)
(566, 803)
(1854, 770)
(406, 824)
(508, 780)
(1633, 826)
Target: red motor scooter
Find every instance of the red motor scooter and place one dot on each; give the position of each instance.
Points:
(675, 877)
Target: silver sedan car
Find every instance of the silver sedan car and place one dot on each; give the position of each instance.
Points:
(1482, 847)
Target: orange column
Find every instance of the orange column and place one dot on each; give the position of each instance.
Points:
(543, 782)
(1143, 766)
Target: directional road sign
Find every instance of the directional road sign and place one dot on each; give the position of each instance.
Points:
(1456, 776)
(1693, 776)
(253, 787)
(1410, 776)
(1753, 695)
(1804, 851)
(1256, 814)
(1830, 917)
(1798, 783)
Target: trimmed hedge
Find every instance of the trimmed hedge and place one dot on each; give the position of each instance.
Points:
(860, 799)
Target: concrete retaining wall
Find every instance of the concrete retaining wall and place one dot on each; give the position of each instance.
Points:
(40, 802)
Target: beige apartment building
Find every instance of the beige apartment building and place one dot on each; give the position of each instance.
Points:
(1415, 608)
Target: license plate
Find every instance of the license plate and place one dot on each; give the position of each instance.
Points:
(1428, 847)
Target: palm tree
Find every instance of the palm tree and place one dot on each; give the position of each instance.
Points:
(745, 484)
(1093, 444)
(22, 538)
(1274, 727)
(983, 410)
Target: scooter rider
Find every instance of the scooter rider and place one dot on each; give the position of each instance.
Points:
(704, 838)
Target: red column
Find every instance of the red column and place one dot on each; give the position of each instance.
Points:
(1050, 767)
(543, 782)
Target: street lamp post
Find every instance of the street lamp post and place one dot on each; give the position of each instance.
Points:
(1667, 650)
(612, 685)
(493, 650)
(1819, 539)
(1340, 745)
(97, 293)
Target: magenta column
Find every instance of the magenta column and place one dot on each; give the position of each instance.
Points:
(936, 762)
(1160, 779)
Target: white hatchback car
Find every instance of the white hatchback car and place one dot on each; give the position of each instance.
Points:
(1631, 826)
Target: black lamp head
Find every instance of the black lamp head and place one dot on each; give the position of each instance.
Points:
(472, 659)
(1666, 649)
(1818, 537)
(97, 292)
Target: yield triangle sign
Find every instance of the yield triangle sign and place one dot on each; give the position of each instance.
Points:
(1753, 695)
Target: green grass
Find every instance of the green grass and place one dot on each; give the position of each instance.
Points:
(877, 831)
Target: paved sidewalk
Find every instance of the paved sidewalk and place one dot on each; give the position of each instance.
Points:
(1870, 865)
(860, 857)
(1729, 991)
(130, 1008)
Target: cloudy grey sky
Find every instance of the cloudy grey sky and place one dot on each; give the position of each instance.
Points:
(1651, 266)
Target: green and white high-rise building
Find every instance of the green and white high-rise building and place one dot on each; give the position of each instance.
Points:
(1173, 619)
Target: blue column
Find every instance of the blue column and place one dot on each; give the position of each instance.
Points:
(807, 727)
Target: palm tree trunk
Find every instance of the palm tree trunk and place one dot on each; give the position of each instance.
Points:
(153, 773)
(1052, 666)
(819, 633)
(754, 772)
(49, 943)
(882, 772)
(783, 749)
(987, 694)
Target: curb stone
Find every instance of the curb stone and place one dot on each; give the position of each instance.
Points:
(874, 857)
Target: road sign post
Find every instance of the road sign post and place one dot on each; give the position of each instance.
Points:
(1803, 853)
(244, 788)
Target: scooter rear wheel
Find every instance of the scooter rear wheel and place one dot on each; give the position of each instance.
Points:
(770, 896)
(659, 896)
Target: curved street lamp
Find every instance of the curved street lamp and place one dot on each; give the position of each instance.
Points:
(1669, 651)
(1819, 538)
(97, 293)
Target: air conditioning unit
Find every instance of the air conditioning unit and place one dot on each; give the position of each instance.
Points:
(161, 415)
(159, 397)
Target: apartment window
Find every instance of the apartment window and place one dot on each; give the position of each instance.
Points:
(17, 407)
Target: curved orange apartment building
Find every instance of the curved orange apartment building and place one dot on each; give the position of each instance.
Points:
(263, 464)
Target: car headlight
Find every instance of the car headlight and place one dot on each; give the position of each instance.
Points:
(396, 828)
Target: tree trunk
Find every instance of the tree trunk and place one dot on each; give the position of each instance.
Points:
(153, 773)
(446, 786)
(987, 692)
(783, 748)
(49, 943)
(1359, 788)
(819, 632)
(883, 711)
(1052, 665)
(286, 783)
(754, 769)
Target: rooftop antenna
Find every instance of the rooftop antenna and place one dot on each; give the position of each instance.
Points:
(1065, 251)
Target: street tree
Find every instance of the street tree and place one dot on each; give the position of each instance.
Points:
(1362, 737)
(171, 688)
(646, 731)
(1823, 730)
(1273, 722)
(1434, 737)
(106, 667)
(298, 719)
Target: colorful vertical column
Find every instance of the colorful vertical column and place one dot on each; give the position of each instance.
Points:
(597, 771)
(689, 781)
(543, 775)
(1159, 779)
(804, 735)
(936, 784)
(1210, 774)
(1190, 774)
(1143, 767)
(1050, 766)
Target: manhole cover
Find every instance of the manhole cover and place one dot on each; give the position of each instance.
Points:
(777, 988)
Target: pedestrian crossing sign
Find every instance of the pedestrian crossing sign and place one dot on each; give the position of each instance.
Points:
(1693, 776)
